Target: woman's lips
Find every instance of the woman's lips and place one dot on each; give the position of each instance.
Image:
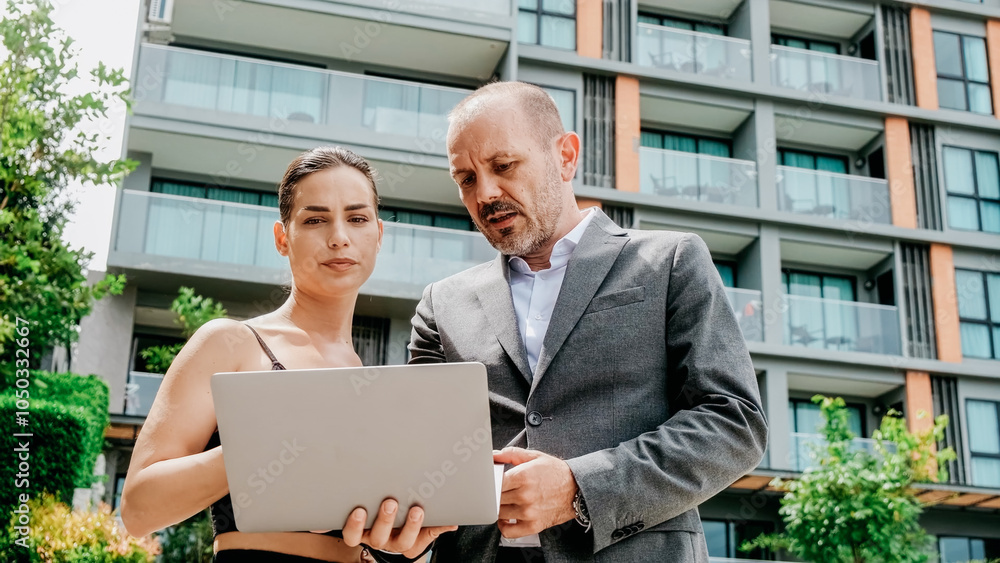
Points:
(340, 264)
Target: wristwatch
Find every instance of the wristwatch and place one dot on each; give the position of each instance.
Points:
(580, 507)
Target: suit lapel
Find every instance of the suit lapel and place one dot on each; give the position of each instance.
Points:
(498, 305)
(591, 261)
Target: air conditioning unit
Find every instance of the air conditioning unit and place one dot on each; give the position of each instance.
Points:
(160, 11)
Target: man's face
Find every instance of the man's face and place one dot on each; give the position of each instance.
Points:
(507, 179)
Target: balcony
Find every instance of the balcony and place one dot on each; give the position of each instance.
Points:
(201, 87)
(140, 391)
(175, 234)
(460, 10)
(832, 324)
(693, 52)
(747, 305)
(838, 196)
(803, 443)
(825, 74)
(697, 177)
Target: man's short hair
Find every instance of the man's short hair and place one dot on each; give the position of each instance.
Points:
(537, 105)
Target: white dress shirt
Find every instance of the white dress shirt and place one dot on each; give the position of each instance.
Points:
(535, 293)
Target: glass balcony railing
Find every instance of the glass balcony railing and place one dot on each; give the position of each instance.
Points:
(697, 176)
(749, 311)
(825, 73)
(803, 444)
(693, 52)
(232, 233)
(347, 105)
(832, 324)
(140, 391)
(839, 196)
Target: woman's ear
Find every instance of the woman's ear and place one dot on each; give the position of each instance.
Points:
(378, 246)
(281, 238)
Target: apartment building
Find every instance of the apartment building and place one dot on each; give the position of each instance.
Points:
(839, 157)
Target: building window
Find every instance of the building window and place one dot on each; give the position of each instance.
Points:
(116, 500)
(816, 316)
(680, 23)
(805, 417)
(973, 181)
(566, 103)
(724, 538)
(979, 313)
(813, 160)
(685, 143)
(809, 284)
(550, 23)
(807, 44)
(963, 74)
(983, 418)
(216, 193)
(727, 271)
(963, 549)
(426, 218)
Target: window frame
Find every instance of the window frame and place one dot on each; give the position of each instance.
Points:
(573, 91)
(972, 453)
(786, 286)
(990, 323)
(776, 37)
(693, 136)
(539, 11)
(155, 181)
(782, 150)
(979, 199)
(693, 22)
(394, 210)
(862, 408)
(732, 265)
(963, 77)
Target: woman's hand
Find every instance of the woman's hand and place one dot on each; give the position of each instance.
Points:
(411, 540)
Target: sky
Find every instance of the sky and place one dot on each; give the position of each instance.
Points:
(104, 30)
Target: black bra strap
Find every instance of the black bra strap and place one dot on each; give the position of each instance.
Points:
(275, 364)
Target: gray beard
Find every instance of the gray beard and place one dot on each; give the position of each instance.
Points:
(538, 231)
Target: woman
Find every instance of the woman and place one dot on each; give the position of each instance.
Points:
(331, 233)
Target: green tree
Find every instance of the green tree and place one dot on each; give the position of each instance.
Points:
(192, 311)
(42, 152)
(858, 506)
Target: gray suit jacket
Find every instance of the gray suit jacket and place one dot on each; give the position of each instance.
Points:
(643, 385)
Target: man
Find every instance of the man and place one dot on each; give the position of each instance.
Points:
(614, 352)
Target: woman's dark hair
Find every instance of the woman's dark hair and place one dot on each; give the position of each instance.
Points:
(315, 160)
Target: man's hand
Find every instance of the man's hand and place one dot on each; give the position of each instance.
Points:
(410, 540)
(538, 492)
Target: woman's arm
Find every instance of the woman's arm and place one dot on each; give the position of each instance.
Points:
(170, 477)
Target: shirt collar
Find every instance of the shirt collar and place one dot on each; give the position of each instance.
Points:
(561, 251)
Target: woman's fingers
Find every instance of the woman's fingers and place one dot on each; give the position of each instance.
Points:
(354, 528)
(407, 535)
(379, 534)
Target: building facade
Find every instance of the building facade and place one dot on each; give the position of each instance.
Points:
(839, 158)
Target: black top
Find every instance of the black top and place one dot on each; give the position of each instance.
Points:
(223, 519)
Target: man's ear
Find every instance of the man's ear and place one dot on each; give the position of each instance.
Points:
(568, 146)
(280, 238)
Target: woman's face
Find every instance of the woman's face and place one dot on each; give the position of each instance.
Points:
(333, 233)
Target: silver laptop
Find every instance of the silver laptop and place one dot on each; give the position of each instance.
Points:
(303, 448)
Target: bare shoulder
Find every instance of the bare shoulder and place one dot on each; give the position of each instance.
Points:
(218, 345)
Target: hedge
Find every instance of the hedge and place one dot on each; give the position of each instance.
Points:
(67, 415)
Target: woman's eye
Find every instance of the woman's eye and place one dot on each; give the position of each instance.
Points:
(312, 221)
(359, 219)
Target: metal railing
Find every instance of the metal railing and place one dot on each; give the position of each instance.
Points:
(698, 177)
(749, 311)
(231, 233)
(828, 194)
(825, 74)
(693, 52)
(348, 104)
(832, 324)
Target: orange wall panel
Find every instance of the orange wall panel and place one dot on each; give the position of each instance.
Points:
(944, 296)
(627, 133)
(919, 397)
(993, 55)
(589, 28)
(922, 47)
(899, 168)
(584, 203)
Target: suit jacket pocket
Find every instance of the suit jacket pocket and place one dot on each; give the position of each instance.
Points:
(616, 299)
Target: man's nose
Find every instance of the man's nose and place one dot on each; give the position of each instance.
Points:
(489, 189)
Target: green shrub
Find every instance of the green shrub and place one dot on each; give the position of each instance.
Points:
(56, 451)
(60, 535)
(84, 396)
(191, 541)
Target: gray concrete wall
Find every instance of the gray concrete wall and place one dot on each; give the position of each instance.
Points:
(105, 344)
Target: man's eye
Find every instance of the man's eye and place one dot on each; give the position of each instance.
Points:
(505, 166)
(467, 181)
